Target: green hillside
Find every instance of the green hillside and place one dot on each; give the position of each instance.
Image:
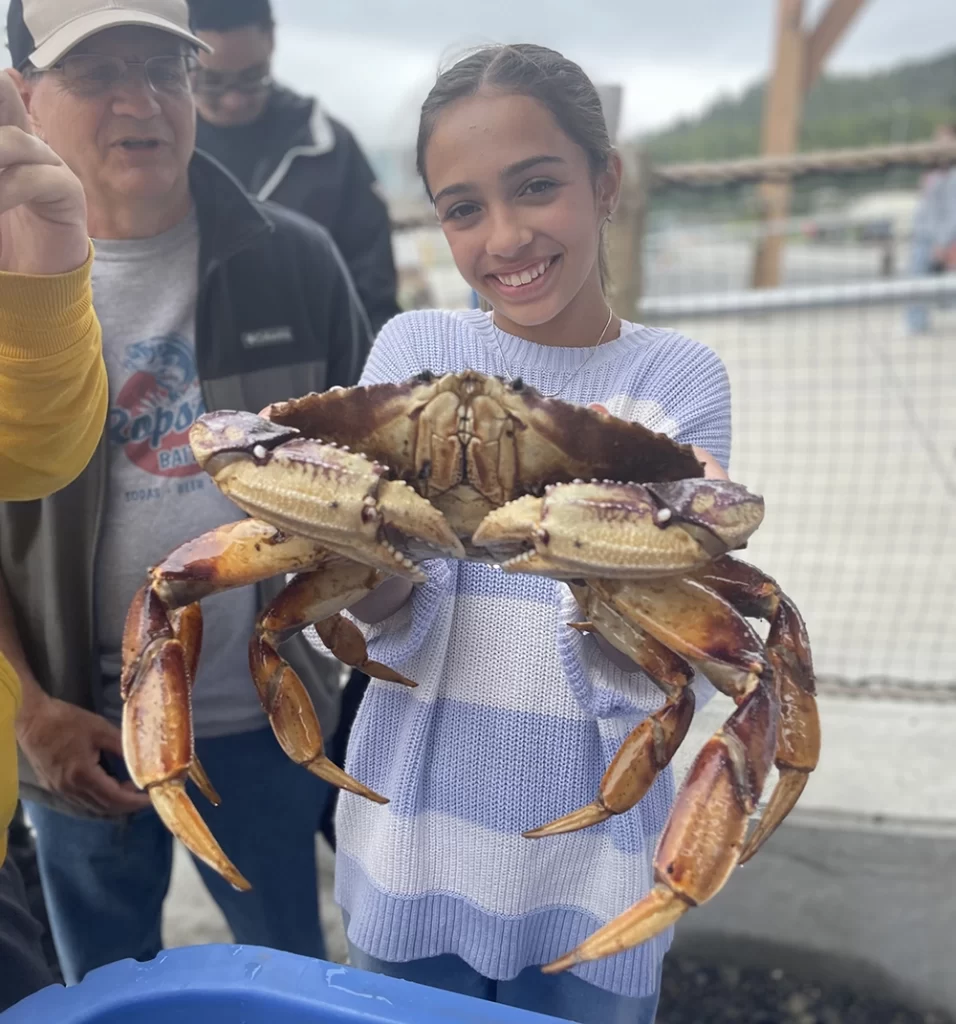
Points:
(904, 103)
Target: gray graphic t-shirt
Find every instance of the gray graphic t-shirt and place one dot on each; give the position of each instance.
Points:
(144, 292)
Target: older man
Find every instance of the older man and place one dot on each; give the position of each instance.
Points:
(207, 300)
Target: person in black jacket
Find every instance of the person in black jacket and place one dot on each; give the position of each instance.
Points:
(284, 147)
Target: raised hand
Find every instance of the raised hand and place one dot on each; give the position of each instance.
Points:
(42, 206)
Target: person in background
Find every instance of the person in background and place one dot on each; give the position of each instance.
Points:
(285, 147)
(208, 299)
(53, 399)
(933, 235)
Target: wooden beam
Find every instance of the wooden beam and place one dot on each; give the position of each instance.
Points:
(783, 107)
(828, 32)
(626, 236)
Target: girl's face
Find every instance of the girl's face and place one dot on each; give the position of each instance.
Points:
(518, 204)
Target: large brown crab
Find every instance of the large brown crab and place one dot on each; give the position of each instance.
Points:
(353, 485)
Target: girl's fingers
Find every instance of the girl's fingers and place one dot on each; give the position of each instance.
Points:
(713, 470)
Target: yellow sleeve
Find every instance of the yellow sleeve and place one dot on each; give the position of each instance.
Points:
(53, 391)
(9, 705)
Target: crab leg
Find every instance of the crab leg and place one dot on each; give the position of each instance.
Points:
(187, 625)
(313, 597)
(798, 731)
(704, 836)
(678, 620)
(694, 622)
(161, 645)
(318, 597)
(652, 744)
(788, 648)
(641, 758)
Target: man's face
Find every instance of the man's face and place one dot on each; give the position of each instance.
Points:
(126, 139)
(232, 86)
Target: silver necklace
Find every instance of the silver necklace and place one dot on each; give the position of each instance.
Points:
(509, 376)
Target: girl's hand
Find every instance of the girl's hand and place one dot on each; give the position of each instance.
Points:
(384, 601)
(713, 470)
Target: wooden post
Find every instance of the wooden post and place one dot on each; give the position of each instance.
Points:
(783, 106)
(827, 33)
(799, 62)
(626, 237)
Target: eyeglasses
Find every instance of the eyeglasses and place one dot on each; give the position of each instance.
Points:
(213, 84)
(95, 75)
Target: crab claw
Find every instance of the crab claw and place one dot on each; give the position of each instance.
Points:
(620, 531)
(158, 749)
(322, 492)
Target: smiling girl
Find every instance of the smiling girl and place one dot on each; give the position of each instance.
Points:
(516, 716)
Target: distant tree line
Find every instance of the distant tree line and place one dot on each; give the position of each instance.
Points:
(903, 104)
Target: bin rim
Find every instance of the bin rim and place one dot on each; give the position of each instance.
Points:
(233, 969)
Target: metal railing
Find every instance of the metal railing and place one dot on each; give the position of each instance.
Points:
(845, 420)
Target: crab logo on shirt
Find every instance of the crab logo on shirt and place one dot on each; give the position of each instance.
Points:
(151, 415)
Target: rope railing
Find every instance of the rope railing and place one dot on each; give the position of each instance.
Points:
(784, 168)
(750, 170)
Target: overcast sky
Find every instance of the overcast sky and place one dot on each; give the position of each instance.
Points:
(372, 61)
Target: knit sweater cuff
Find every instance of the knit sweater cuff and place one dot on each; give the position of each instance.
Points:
(44, 315)
(396, 639)
(601, 689)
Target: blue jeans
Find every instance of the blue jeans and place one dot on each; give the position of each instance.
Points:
(23, 967)
(105, 880)
(558, 995)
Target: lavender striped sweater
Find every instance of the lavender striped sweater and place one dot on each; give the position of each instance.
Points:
(516, 716)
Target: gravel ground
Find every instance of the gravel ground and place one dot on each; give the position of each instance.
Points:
(694, 992)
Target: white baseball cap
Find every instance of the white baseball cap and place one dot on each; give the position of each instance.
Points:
(42, 31)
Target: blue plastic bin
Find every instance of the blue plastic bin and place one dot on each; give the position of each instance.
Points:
(251, 985)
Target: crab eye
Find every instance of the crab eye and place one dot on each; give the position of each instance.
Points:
(517, 384)
(425, 377)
